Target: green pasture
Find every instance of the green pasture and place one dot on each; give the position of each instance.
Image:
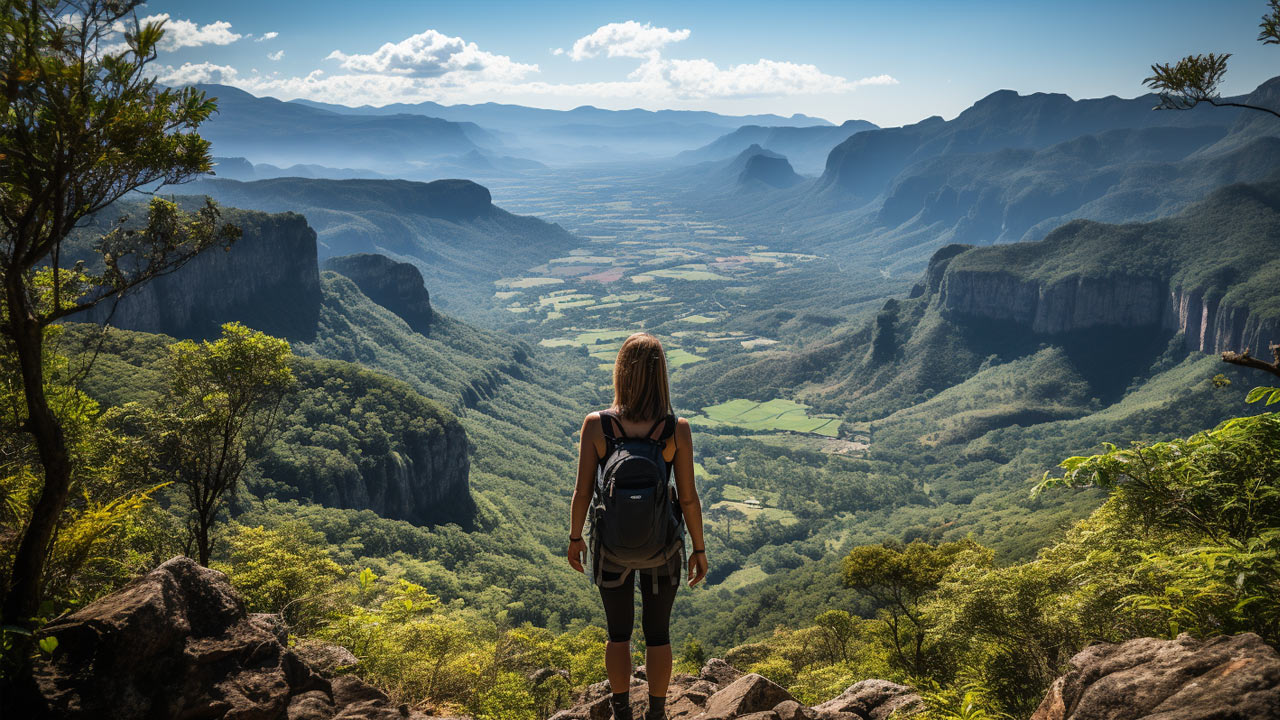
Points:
(776, 414)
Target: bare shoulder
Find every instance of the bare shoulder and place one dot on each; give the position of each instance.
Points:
(683, 428)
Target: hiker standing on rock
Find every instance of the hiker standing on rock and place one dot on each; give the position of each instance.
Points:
(625, 462)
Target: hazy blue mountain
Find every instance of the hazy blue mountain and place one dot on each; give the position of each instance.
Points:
(502, 116)
(587, 134)
(1011, 168)
(754, 168)
(449, 229)
(864, 165)
(806, 147)
(763, 171)
(266, 130)
(238, 168)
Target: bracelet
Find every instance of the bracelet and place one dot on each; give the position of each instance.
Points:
(575, 539)
(695, 552)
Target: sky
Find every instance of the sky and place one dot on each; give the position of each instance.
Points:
(888, 62)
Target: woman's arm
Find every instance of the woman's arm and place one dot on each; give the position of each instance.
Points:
(587, 460)
(689, 503)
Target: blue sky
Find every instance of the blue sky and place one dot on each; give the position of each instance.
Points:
(887, 62)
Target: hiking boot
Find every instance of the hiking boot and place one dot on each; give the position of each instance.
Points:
(621, 709)
(657, 709)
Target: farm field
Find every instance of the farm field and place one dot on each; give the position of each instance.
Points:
(776, 415)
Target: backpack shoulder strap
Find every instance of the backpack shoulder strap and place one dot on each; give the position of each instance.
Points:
(606, 424)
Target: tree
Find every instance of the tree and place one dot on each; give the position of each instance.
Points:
(1195, 79)
(836, 628)
(221, 411)
(83, 126)
(898, 578)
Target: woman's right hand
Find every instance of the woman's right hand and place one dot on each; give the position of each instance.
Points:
(577, 551)
(697, 568)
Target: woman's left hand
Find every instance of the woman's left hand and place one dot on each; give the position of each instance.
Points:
(577, 551)
(697, 568)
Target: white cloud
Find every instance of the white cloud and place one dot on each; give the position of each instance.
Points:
(184, 33)
(268, 36)
(704, 79)
(434, 66)
(432, 54)
(626, 39)
(191, 73)
(277, 55)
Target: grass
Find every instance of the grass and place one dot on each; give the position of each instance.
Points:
(679, 358)
(743, 577)
(528, 282)
(677, 274)
(697, 319)
(776, 414)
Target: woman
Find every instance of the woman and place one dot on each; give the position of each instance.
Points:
(641, 401)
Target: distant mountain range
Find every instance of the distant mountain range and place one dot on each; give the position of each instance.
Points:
(266, 130)
(585, 134)
(1011, 168)
(806, 147)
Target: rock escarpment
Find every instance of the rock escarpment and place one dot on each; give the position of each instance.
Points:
(1078, 303)
(1208, 274)
(365, 441)
(395, 286)
(1224, 678)
(268, 279)
(424, 482)
(178, 643)
(768, 170)
(721, 692)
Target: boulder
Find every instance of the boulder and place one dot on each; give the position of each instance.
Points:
(719, 672)
(177, 642)
(792, 710)
(872, 700)
(1220, 678)
(748, 694)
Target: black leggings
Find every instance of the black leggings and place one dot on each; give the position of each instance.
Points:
(619, 608)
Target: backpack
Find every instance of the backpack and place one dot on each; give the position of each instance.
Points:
(636, 523)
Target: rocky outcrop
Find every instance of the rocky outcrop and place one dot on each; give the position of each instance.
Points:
(1078, 303)
(395, 286)
(770, 171)
(425, 482)
(1221, 678)
(873, 700)
(177, 643)
(722, 692)
(268, 280)
(414, 465)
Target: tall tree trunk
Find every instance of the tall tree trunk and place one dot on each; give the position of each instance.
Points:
(23, 597)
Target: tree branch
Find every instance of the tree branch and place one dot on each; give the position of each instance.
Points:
(1244, 359)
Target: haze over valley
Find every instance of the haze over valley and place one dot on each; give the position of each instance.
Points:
(956, 385)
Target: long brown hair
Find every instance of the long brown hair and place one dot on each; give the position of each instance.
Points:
(640, 390)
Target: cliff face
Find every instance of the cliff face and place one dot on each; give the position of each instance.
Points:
(395, 286)
(425, 482)
(1079, 303)
(361, 440)
(268, 280)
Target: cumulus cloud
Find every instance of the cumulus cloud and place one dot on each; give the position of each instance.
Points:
(184, 33)
(277, 55)
(434, 66)
(192, 73)
(430, 55)
(626, 39)
(268, 36)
